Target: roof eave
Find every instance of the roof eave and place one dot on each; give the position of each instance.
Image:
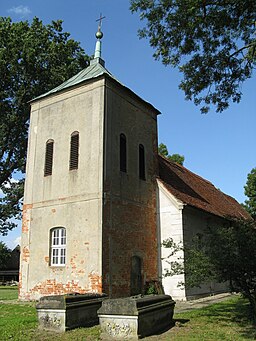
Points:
(106, 75)
(71, 87)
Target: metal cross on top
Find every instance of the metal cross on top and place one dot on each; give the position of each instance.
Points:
(100, 20)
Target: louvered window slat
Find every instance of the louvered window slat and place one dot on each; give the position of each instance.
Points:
(74, 151)
(48, 158)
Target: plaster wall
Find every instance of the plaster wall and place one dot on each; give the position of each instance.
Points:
(129, 202)
(196, 222)
(182, 223)
(169, 217)
(70, 199)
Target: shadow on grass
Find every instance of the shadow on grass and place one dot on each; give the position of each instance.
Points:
(180, 322)
(235, 310)
(174, 323)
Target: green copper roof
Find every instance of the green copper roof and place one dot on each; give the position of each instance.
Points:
(95, 70)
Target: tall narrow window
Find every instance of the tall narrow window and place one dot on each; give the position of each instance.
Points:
(58, 246)
(48, 158)
(74, 150)
(142, 162)
(136, 276)
(123, 156)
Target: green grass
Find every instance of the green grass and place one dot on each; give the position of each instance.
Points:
(18, 322)
(8, 293)
(228, 320)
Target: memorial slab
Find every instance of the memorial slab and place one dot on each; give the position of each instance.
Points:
(62, 312)
(134, 317)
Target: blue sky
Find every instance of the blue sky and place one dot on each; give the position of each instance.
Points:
(219, 147)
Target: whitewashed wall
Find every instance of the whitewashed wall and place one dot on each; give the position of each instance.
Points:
(181, 223)
(169, 217)
(197, 222)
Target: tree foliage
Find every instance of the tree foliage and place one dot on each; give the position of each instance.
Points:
(213, 44)
(250, 192)
(5, 254)
(34, 58)
(195, 263)
(226, 254)
(162, 149)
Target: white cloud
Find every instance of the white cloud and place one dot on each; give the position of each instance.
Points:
(8, 185)
(21, 11)
(12, 181)
(14, 237)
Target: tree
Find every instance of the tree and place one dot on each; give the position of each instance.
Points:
(196, 265)
(212, 43)
(34, 58)
(5, 254)
(250, 192)
(162, 149)
(226, 254)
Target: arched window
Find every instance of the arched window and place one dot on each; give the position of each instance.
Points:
(58, 246)
(142, 162)
(74, 150)
(123, 156)
(48, 158)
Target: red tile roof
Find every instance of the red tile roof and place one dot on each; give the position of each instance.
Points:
(195, 191)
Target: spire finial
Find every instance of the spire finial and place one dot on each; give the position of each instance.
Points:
(98, 35)
(100, 23)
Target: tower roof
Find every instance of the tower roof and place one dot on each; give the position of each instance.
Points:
(94, 70)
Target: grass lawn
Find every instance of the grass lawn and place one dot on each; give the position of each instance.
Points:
(18, 322)
(8, 293)
(228, 320)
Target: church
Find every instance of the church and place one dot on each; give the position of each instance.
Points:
(99, 200)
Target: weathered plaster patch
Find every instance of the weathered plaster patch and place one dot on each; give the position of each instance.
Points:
(52, 287)
(25, 254)
(95, 282)
(26, 217)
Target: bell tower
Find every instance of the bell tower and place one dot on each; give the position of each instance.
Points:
(89, 213)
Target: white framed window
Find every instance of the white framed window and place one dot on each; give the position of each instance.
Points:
(58, 246)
